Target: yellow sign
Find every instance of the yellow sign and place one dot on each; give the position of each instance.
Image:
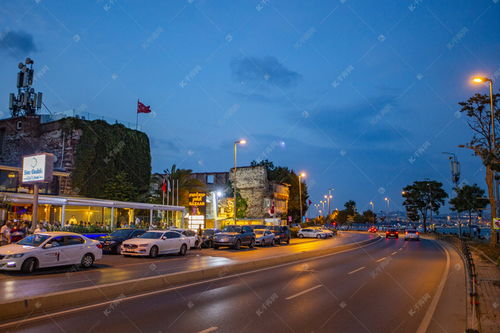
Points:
(197, 199)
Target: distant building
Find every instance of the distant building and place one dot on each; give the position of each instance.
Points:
(262, 195)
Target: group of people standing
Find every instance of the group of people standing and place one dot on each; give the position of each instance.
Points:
(13, 231)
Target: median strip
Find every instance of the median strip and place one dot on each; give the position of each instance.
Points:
(114, 292)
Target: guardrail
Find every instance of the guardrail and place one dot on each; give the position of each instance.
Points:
(463, 249)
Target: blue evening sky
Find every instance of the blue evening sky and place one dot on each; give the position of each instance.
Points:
(361, 95)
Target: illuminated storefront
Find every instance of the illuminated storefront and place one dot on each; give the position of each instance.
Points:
(109, 214)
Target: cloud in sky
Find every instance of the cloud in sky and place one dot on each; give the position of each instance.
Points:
(264, 70)
(17, 42)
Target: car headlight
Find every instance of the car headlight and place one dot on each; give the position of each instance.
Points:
(10, 256)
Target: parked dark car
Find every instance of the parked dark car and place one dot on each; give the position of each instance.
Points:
(258, 226)
(112, 242)
(282, 233)
(208, 236)
(235, 236)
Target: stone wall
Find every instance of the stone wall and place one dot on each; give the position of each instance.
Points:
(253, 185)
(27, 135)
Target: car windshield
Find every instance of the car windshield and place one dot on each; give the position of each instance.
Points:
(259, 232)
(151, 235)
(392, 230)
(34, 240)
(232, 228)
(411, 231)
(121, 233)
(208, 232)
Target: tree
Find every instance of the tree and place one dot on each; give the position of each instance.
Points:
(478, 112)
(369, 216)
(469, 199)
(412, 213)
(185, 181)
(423, 197)
(350, 207)
(120, 188)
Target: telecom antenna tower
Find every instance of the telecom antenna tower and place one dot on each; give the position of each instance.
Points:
(27, 100)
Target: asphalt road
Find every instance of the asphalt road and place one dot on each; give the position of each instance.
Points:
(387, 286)
(116, 268)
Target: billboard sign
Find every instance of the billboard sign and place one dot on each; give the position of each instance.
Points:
(37, 168)
(198, 203)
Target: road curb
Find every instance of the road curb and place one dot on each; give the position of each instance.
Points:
(26, 307)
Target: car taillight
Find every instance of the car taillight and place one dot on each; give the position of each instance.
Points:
(406, 232)
(417, 232)
(99, 245)
(397, 232)
(387, 232)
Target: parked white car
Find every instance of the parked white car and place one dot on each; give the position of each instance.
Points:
(191, 235)
(311, 233)
(263, 237)
(155, 242)
(49, 249)
(411, 234)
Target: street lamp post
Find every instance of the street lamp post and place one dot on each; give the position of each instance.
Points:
(301, 175)
(493, 198)
(328, 197)
(323, 207)
(236, 143)
(373, 206)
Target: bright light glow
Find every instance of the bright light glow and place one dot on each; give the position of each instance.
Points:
(242, 142)
(302, 174)
(386, 199)
(478, 80)
(219, 193)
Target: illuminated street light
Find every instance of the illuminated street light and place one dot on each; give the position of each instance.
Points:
(373, 206)
(301, 175)
(328, 197)
(236, 143)
(482, 79)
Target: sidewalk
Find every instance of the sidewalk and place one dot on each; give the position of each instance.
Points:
(488, 289)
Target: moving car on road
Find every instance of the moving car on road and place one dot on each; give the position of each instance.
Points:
(311, 233)
(372, 230)
(155, 242)
(391, 233)
(411, 234)
(263, 237)
(112, 242)
(49, 249)
(235, 236)
(207, 237)
(328, 232)
(282, 233)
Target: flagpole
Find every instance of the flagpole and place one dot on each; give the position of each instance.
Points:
(137, 116)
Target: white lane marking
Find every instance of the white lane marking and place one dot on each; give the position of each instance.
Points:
(393, 253)
(303, 292)
(424, 325)
(210, 329)
(356, 270)
(381, 259)
(166, 290)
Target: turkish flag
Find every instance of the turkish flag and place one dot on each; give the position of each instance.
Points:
(141, 108)
(164, 186)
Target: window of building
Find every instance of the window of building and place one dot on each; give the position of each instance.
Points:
(210, 179)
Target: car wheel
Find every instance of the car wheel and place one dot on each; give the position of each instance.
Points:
(301, 236)
(87, 260)
(117, 250)
(237, 245)
(153, 253)
(29, 265)
(196, 244)
(288, 241)
(273, 242)
(318, 237)
(183, 250)
(210, 244)
(252, 244)
(216, 247)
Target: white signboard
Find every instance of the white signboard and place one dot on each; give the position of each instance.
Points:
(38, 168)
